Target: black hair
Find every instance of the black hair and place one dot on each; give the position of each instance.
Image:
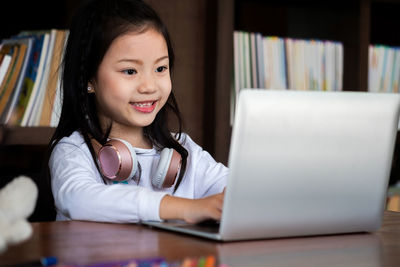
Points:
(94, 27)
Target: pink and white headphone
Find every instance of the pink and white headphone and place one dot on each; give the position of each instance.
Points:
(118, 162)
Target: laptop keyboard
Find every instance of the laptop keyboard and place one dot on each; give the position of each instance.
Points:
(208, 226)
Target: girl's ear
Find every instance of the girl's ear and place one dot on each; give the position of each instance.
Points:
(90, 88)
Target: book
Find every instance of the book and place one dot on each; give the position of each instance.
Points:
(380, 67)
(290, 61)
(282, 84)
(39, 76)
(320, 63)
(34, 116)
(52, 85)
(272, 62)
(396, 71)
(236, 64)
(9, 86)
(267, 63)
(13, 52)
(253, 61)
(5, 63)
(260, 60)
(383, 68)
(57, 104)
(30, 76)
(299, 65)
(276, 63)
(242, 72)
(339, 66)
(246, 59)
(387, 82)
(9, 110)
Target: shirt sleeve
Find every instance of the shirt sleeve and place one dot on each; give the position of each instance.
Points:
(80, 193)
(210, 176)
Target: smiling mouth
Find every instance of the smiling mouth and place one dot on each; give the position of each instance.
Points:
(144, 107)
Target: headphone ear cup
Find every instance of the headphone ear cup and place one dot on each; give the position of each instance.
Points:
(117, 160)
(167, 169)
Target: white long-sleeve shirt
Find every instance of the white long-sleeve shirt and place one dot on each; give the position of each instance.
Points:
(80, 193)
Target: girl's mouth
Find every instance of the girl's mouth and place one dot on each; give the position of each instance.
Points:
(145, 106)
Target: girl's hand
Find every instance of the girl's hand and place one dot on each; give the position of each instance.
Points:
(204, 208)
(192, 210)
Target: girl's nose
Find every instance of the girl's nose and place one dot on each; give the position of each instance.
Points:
(147, 84)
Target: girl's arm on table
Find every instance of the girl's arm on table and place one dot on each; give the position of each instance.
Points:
(191, 210)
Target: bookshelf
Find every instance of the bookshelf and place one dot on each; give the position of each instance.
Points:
(355, 23)
(27, 136)
(22, 149)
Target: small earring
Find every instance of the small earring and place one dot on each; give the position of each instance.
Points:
(90, 89)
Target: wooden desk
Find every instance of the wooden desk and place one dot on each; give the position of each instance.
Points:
(88, 242)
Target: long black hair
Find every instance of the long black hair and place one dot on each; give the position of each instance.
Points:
(94, 27)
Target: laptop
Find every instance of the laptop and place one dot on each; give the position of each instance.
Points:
(305, 163)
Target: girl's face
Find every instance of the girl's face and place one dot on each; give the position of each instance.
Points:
(133, 81)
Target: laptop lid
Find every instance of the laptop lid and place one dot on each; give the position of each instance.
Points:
(308, 163)
(305, 163)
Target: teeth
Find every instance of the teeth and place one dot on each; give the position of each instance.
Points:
(148, 104)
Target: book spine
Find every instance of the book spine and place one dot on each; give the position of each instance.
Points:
(34, 94)
(11, 109)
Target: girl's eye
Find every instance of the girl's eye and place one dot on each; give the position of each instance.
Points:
(161, 69)
(129, 71)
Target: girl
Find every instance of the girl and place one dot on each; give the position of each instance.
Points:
(116, 97)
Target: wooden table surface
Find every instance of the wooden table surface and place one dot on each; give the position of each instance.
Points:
(89, 242)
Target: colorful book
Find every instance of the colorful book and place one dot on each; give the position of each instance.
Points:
(13, 52)
(30, 76)
(10, 108)
(383, 68)
(50, 92)
(57, 105)
(34, 117)
(396, 71)
(273, 62)
(37, 83)
(11, 81)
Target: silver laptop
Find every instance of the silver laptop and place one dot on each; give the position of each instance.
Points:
(305, 163)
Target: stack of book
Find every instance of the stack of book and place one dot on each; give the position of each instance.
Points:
(30, 78)
(384, 68)
(285, 63)
(270, 62)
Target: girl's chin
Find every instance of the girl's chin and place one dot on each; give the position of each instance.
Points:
(134, 119)
(142, 123)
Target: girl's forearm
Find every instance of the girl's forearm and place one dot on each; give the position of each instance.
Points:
(173, 208)
(191, 210)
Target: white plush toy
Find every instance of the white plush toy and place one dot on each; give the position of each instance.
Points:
(17, 202)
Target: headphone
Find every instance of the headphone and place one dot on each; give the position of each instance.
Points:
(118, 162)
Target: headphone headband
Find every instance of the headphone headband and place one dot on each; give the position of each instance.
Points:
(173, 169)
(117, 160)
